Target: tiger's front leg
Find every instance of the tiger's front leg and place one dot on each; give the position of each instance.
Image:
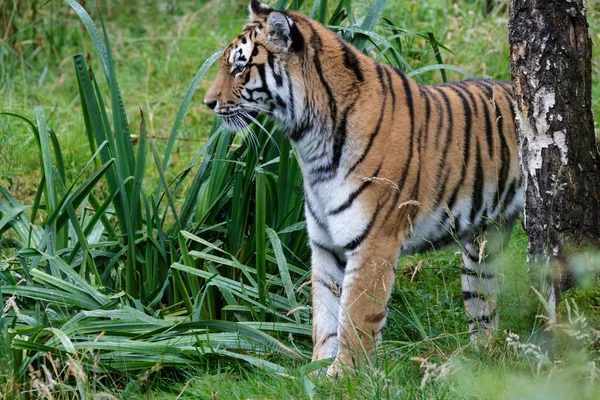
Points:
(368, 282)
(327, 278)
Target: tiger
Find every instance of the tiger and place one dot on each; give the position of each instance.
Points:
(390, 167)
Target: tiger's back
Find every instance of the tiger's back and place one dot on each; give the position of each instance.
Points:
(389, 166)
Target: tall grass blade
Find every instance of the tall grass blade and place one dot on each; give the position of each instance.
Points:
(441, 67)
(283, 270)
(183, 110)
(369, 22)
(49, 192)
(260, 226)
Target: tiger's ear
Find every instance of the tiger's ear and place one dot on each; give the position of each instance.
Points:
(279, 28)
(258, 10)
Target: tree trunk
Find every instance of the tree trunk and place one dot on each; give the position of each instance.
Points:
(551, 72)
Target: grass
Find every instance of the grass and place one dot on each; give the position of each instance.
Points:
(157, 50)
(174, 283)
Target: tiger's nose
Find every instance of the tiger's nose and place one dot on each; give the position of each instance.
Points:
(210, 104)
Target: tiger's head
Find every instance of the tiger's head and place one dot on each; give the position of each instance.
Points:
(258, 70)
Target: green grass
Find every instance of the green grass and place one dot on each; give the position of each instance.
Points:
(427, 322)
(159, 314)
(157, 50)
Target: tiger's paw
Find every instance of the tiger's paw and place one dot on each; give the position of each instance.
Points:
(335, 370)
(482, 338)
(317, 368)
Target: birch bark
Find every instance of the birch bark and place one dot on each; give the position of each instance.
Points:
(551, 73)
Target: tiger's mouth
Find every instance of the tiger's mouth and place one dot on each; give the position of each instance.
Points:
(238, 119)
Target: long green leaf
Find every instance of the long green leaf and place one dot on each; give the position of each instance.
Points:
(184, 107)
(283, 269)
(369, 22)
(260, 226)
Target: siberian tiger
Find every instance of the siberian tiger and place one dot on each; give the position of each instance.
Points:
(390, 167)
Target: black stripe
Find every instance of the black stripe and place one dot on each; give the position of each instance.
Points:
(458, 224)
(326, 338)
(317, 155)
(479, 320)
(409, 100)
(511, 108)
(510, 193)
(299, 132)
(380, 77)
(442, 162)
(442, 189)
(279, 101)
(316, 43)
(339, 137)
(506, 88)
(328, 171)
(425, 97)
(449, 113)
(470, 295)
(420, 140)
(292, 105)
(486, 85)
(354, 243)
(477, 186)
(309, 208)
(468, 126)
(454, 196)
(355, 194)
(351, 60)
(322, 282)
(504, 161)
(297, 38)
(375, 318)
(264, 88)
(465, 88)
(254, 53)
(438, 106)
(415, 194)
(411, 113)
(377, 127)
(390, 86)
(341, 264)
(481, 274)
(489, 133)
(473, 257)
(271, 61)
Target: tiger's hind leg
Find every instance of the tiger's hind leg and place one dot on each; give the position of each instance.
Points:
(480, 266)
(480, 293)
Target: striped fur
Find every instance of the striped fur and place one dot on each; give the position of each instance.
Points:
(389, 167)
